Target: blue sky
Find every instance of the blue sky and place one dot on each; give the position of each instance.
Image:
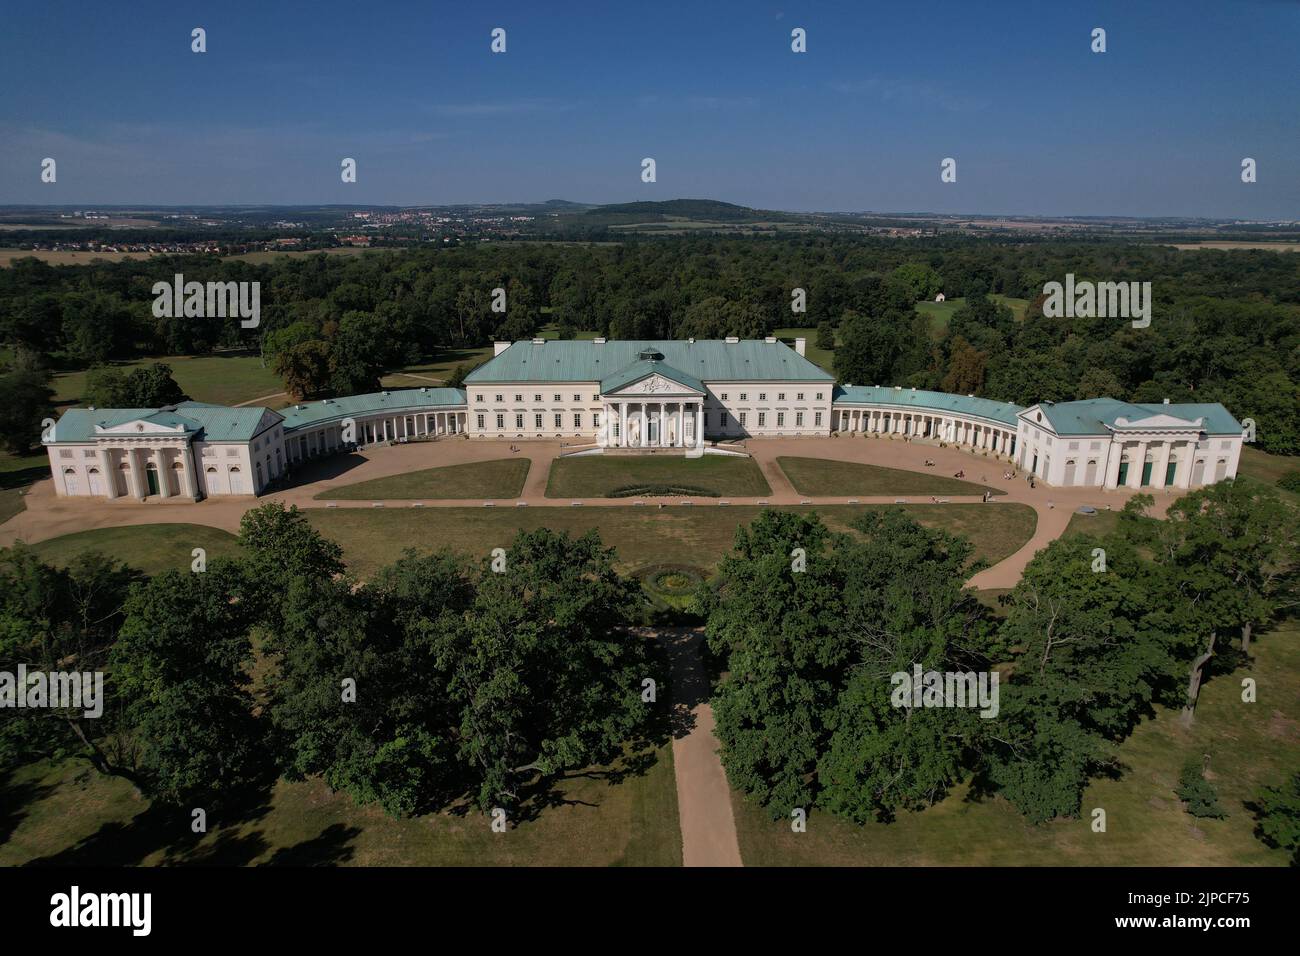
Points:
(1038, 124)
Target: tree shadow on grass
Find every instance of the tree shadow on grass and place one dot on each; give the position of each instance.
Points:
(169, 830)
(331, 847)
(15, 799)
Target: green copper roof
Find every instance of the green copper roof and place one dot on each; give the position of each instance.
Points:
(197, 419)
(708, 360)
(311, 414)
(644, 369)
(1097, 415)
(919, 399)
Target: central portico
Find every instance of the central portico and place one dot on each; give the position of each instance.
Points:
(650, 404)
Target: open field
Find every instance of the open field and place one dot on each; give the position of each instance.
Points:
(1230, 245)
(941, 312)
(822, 358)
(67, 813)
(644, 535)
(1250, 745)
(436, 371)
(821, 477)
(1260, 466)
(499, 478)
(270, 255)
(223, 378)
(149, 547)
(66, 258)
(597, 477)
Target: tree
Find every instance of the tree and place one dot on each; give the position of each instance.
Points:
(965, 369)
(56, 620)
(825, 335)
(1088, 664)
(148, 386)
(182, 663)
(547, 677)
(1197, 793)
(25, 402)
(1278, 811)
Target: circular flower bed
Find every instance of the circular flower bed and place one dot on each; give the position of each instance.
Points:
(671, 585)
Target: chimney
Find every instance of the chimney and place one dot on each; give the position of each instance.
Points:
(1166, 401)
(598, 341)
(539, 341)
(690, 341)
(770, 340)
(732, 340)
(800, 345)
(499, 347)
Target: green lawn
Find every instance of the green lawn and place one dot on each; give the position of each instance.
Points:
(149, 547)
(499, 478)
(821, 476)
(823, 358)
(697, 535)
(225, 378)
(67, 813)
(598, 476)
(16, 473)
(1262, 467)
(940, 313)
(1102, 523)
(438, 369)
(1250, 745)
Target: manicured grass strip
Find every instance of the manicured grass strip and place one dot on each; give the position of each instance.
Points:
(642, 535)
(823, 477)
(1250, 745)
(604, 476)
(149, 547)
(499, 478)
(66, 813)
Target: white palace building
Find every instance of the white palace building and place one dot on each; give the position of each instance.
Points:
(630, 397)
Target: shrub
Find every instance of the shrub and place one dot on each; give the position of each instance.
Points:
(1199, 795)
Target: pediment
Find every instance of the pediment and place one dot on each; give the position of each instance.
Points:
(140, 426)
(1158, 421)
(656, 384)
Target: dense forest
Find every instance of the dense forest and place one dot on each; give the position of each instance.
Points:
(1225, 325)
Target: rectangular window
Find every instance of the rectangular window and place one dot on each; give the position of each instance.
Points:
(478, 398)
(706, 419)
(519, 421)
(577, 398)
(722, 419)
(724, 396)
(559, 420)
(558, 399)
(743, 397)
(537, 420)
(577, 420)
(780, 396)
(743, 416)
(762, 419)
(780, 419)
(798, 419)
(799, 397)
(501, 421)
(762, 396)
(537, 398)
(819, 396)
(480, 422)
(595, 420)
(518, 397)
(817, 418)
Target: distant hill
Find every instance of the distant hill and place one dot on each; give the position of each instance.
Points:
(707, 209)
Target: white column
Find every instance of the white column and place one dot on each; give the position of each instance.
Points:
(1184, 478)
(1135, 468)
(1116, 452)
(699, 424)
(109, 472)
(681, 425)
(137, 481)
(188, 484)
(1160, 466)
(622, 424)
